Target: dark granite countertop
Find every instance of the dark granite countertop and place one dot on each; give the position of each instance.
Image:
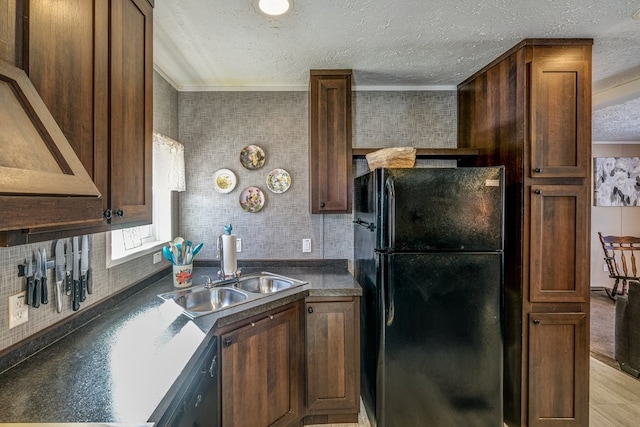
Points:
(120, 366)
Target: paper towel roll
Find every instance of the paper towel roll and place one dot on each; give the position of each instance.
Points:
(229, 253)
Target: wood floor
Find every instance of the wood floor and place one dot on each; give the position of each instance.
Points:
(615, 399)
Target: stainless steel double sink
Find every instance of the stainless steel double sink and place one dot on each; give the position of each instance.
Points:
(203, 299)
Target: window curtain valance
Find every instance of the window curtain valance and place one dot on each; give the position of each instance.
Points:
(168, 163)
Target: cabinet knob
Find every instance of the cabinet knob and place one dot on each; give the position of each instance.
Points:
(253, 324)
(536, 321)
(537, 170)
(108, 214)
(310, 310)
(322, 204)
(227, 342)
(537, 191)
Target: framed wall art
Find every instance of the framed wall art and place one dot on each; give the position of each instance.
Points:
(616, 181)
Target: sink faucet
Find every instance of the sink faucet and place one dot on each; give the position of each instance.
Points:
(233, 281)
(209, 282)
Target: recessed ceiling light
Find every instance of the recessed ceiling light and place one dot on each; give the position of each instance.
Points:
(274, 7)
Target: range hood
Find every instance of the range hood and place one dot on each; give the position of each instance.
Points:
(42, 181)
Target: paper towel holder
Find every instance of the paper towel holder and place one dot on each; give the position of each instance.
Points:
(221, 273)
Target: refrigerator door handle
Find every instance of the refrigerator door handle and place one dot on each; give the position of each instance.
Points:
(388, 293)
(389, 212)
(391, 311)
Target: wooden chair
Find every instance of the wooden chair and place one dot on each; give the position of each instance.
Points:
(619, 255)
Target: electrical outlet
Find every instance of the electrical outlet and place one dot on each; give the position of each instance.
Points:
(238, 245)
(306, 245)
(18, 310)
(157, 257)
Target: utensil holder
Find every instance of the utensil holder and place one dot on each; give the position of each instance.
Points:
(182, 275)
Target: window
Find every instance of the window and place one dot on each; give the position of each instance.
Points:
(168, 175)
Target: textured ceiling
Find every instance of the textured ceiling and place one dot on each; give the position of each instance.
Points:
(412, 44)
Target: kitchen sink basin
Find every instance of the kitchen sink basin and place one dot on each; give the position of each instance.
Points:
(266, 283)
(200, 300)
(215, 296)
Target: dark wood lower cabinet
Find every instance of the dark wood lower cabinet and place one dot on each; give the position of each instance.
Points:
(264, 378)
(558, 359)
(261, 370)
(333, 368)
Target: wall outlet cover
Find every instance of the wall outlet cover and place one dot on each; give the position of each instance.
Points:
(18, 309)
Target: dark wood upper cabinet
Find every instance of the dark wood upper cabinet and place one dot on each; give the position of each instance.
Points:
(330, 141)
(7, 31)
(91, 62)
(560, 100)
(42, 181)
(131, 111)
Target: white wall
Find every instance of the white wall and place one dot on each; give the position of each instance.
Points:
(619, 221)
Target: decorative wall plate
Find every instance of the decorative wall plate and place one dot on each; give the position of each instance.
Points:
(252, 157)
(252, 199)
(224, 181)
(278, 181)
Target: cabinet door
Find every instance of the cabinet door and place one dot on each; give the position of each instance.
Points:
(7, 30)
(333, 359)
(66, 62)
(260, 372)
(558, 369)
(560, 111)
(131, 111)
(559, 247)
(330, 141)
(91, 62)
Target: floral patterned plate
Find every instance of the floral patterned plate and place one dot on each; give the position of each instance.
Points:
(252, 157)
(278, 180)
(252, 199)
(224, 181)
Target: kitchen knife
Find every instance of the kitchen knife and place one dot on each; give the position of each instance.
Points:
(84, 267)
(37, 291)
(68, 259)
(76, 274)
(59, 274)
(30, 285)
(45, 291)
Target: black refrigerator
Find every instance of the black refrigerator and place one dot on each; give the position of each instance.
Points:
(429, 257)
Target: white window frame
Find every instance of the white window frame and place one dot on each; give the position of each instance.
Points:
(161, 232)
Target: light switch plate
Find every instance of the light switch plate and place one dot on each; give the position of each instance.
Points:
(306, 245)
